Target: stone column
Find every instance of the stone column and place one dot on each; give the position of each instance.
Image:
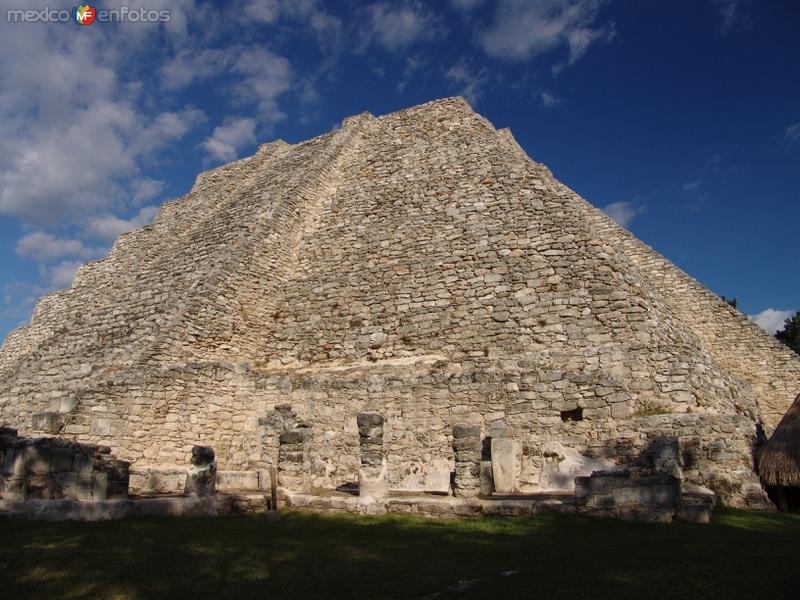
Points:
(294, 467)
(12, 483)
(373, 476)
(119, 477)
(201, 477)
(467, 449)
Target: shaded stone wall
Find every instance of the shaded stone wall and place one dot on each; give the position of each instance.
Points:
(55, 469)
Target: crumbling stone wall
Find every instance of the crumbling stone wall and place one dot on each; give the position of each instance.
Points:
(56, 469)
(418, 265)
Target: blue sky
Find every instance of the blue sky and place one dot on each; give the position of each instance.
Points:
(680, 119)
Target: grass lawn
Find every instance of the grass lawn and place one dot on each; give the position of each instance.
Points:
(740, 555)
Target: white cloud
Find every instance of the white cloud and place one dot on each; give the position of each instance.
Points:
(264, 77)
(732, 15)
(164, 129)
(397, 25)
(471, 81)
(792, 133)
(260, 11)
(107, 227)
(690, 186)
(19, 298)
(327, 27)
(622, 212)
(70, 146)
(44, 247)
(86, 116)
(191, 64)
(548, 100)
(466, 5)
(771, 320)
(523, 29)
(269, 12)
(61, 275)
(414, 64)
(259, 76)
(229, 138)
(145, 189)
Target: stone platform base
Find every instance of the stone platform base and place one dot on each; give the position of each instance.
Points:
(108, 510)
(433, 505)
(693, 507)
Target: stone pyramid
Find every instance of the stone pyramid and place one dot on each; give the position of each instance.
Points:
(419, 265)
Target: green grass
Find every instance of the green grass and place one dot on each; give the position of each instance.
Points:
(740, 555)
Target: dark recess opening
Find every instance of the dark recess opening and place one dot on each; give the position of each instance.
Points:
(572, 415)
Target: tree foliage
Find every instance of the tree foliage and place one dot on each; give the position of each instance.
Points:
(790, 334)
(731, 301)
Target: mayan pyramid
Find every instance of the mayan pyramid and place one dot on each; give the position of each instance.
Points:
(417, 264)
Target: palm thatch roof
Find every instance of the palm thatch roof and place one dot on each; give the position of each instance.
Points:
(779, 462)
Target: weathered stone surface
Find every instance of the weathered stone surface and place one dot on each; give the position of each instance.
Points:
(487, 479)
(203, 456)
(417, 264)
(8, 433)
(431, 475)
(563, 464)
(48, 422)
(201, 476)
(294, 464)
(505, 454)
(373, 476)
(240, 480)
(55, 469)
(633, 494)
(157, 481)
(467, 448)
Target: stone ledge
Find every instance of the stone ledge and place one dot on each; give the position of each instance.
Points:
(108, 510)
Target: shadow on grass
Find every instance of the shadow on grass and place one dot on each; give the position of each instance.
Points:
(741, 554)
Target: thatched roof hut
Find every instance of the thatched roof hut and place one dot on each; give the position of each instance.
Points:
(779, 462)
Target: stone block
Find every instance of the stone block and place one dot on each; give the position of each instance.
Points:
(239, 480)
(118, 473)
(7, 435)
(101, 426)
(13, 488)
(62, 460)
(562, 465)
(48, 422)
(83, 485)
(467, 449)
(432, 476)
(367, 421)
(83, 464)
(466, 430)
(201, 476)
(37, 459)
(202, 456)
(65, 485)
(39, 486)
(373, 482)
(99, 486)
(486, 478)
(13, 464)
(294, 436)
(505, 453)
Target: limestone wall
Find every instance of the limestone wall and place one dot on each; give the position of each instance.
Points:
(418, 265)
(57, 469)
(737, 344)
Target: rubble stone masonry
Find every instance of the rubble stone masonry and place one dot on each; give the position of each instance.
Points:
(418, 265)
